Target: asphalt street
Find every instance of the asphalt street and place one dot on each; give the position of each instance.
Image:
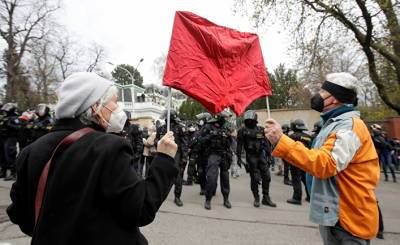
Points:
(243, 224)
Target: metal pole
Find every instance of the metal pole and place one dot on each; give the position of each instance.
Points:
(123, 95)
(169, 110)
(268, 110)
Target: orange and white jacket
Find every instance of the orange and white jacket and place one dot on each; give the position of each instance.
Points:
(345, 167)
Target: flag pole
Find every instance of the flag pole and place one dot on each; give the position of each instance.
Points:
(268, 110)
(169, 110)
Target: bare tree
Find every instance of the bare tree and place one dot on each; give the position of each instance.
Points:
(65, 56)
(43, 70)
(20, 25)
(372, 27)
(96, 56)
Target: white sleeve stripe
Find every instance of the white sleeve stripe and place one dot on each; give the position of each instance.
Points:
(346, 145)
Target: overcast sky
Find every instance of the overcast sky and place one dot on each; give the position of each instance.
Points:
(130, 30)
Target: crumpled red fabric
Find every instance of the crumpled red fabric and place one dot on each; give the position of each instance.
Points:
(218, 66)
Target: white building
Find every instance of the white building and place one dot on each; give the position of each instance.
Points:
(145, 108)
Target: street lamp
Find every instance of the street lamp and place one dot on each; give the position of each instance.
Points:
(132, 79)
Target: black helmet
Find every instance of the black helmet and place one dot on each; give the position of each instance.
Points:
(298, 125)
(204, 116)
(9, 107)
(173, 115)
(285, 128)
(250, 115)
(220, 117)
(225, 114)
(317, 126)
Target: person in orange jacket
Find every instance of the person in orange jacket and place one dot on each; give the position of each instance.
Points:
(343, 161)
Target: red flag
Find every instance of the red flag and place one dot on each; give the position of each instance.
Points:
(218, 66)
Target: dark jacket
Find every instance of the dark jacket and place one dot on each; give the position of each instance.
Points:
(92, 194)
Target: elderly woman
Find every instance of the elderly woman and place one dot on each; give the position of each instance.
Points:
(91, 194)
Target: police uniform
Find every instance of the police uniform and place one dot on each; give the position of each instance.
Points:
(135, 137)
(192, 174)
(180, 156)
(299, 175)
(41, 126)
(3, 130)
(11, 126)
(258, 156)
(216, 137)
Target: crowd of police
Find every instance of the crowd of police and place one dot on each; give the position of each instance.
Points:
(209, 146)
(18, 131)
(207, 149)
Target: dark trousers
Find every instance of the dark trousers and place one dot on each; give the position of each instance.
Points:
(3, 163)
(259, 172)
(381, 226)
(386, 161)
(178, 181)
(336, 235)
(10, 152)
(214, 164)
(298, 176)
(201, 168)
(191, 172)
(286, 167)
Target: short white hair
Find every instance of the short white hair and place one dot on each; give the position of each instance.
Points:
(88, 117)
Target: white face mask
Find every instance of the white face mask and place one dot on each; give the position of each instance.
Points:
(117, 121)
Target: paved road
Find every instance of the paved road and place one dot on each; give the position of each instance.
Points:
(243, 224)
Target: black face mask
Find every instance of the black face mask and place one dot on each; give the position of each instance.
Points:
(317, 103)
(250, 123)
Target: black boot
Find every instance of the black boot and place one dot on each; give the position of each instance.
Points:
(256, 202)
(187, 182)
(207, 204)
(294, 201)
(227, 204)
(11, 177)
(267, 201)
(202, 192)
(178, 202)
(287, 182)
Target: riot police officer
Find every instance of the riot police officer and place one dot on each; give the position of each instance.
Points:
(298, 127)
(216, 136)
(286, 179)
(258, 154)
(43, 123)
(199, 151)
(180, 156)
(25, 134)
(192, 135)
(11, 126)
(316, 129)
(135, 137)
